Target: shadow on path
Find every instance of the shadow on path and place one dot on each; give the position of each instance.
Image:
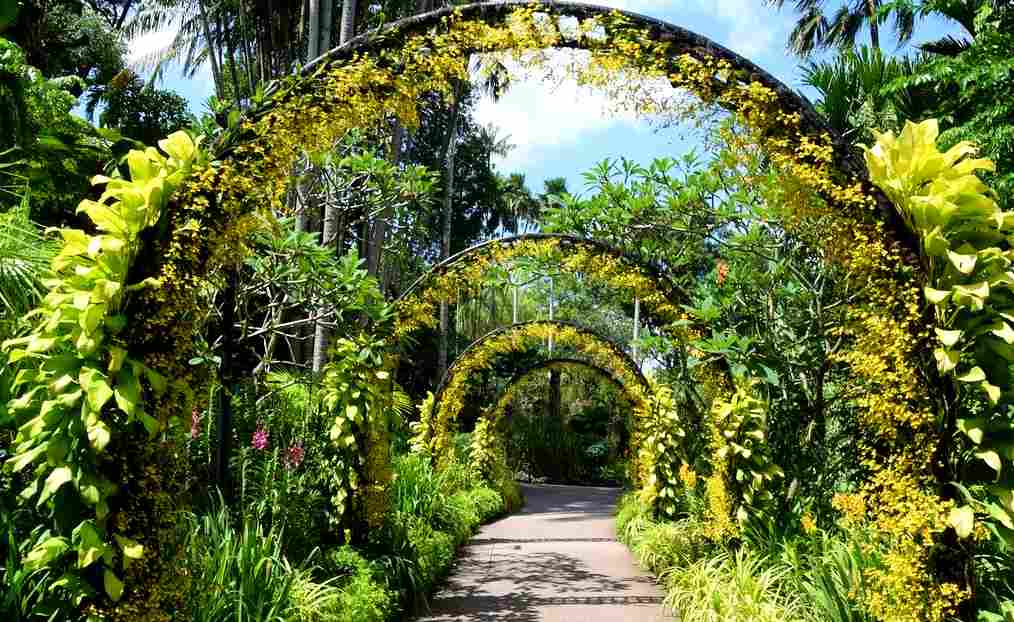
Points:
(556, 560)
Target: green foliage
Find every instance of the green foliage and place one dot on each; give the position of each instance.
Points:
(362, 597)
(78, 387)
(731, 587)
(970, 84)
(963, 239)
(662, 450)
(830, 576)
(140, 111)
(354, 390)
(25, 256)
(57, 151)
(853, 97)
(740, 446)
(240, 574)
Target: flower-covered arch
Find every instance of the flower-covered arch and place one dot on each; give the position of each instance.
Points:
(448, 280)
(558, 363)
(190, 216)
(449, 398)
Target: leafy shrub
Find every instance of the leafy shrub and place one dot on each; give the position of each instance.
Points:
(362, 596)
(488, 503)
(434, 551)
(831, 578)
(632, 518)
(665, 545)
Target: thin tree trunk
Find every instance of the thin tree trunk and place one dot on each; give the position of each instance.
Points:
(245, 38)
(237, 92)
(347, 28)
(313, 31)
(216, 70)
(326, 22)
(871, 10)
(450, 151)
(380, 226)
(321, 336)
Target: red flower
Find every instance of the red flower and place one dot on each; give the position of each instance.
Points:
(294, 455)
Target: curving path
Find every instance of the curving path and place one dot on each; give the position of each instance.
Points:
(557, 560)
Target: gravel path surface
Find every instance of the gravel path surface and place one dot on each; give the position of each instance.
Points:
(557, 560)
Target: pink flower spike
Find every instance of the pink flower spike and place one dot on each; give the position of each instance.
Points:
(260, 438)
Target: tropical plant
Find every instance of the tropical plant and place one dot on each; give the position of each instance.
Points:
(817, 29)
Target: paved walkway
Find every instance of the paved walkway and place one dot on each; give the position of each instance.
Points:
(557, 560)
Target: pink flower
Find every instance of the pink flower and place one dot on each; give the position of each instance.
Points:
(260, 438)
(195, 424)
(294, 455)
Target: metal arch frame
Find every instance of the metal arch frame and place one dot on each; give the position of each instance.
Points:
(548, 363)
(668, 289)
(612, 345)
(684, 42)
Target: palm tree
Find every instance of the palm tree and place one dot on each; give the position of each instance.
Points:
(818, 28)
(852, 94)
(24, 260)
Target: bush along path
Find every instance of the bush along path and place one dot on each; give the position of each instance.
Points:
(558, 559)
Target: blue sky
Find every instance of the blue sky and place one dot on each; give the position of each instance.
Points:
(561, 130)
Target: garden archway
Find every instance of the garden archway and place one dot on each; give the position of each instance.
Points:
(601, 351)
(200, 234)
(599, 261)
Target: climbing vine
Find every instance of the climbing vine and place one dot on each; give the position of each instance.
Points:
(81, 388)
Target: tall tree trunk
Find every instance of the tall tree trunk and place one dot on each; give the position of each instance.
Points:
(326, 24)
(348, 26)
(450, 151)
(376, 250)
(245, 37)
(871, 11)
(216, 70)
(313, 30)
(237, 93)
(321, 332)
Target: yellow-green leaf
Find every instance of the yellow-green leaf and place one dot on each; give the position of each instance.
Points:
(948, 337)
(946, 360)
(991, 458)
(965, 264)
(113, 585)
(962, 519)
(973, 375)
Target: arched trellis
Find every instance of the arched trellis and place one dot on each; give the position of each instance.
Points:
(599, 261)
(677, 40)
(558, 363)
(201, 232)
(599, 350)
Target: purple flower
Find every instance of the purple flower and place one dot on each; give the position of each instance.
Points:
(260, 438)
(294, 455)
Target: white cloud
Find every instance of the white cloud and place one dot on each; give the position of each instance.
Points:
(142, 50)
(542, 111)
(540, 118)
